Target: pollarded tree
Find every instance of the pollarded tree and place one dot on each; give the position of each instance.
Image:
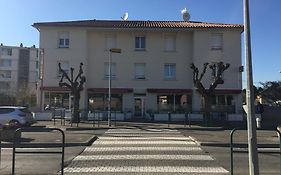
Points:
(207, 94)
(75, 86)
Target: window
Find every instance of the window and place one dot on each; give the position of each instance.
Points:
(216, 41)
(7, 51)
(110, 42)
(100, 102)
(5, 63)
(113, 70)
(139, 42)
(64, 66)
(170, 43)
(4, 85)
(5, 74)
(63, 39)
(170, 71)
(140, 71)
(178, 103)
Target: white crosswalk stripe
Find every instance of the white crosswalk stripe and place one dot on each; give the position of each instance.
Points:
(127, 149)
(144, 152)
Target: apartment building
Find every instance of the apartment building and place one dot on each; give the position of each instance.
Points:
(152, 72)
(19, 69)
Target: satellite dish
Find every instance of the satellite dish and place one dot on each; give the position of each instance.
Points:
(185, 14)
(125, 16)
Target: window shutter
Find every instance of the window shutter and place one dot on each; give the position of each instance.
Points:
(216, 41)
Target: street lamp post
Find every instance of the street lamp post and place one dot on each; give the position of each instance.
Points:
(252, 136)
(112, 50)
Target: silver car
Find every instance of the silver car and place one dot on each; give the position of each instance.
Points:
(17, 116)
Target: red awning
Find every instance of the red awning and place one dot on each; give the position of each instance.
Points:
(113, 90)
(56, 89)
(227, 91)
(169, 90)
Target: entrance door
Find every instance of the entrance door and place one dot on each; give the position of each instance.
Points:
(139, 106)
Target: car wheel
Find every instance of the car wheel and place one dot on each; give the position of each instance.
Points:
(14, 123)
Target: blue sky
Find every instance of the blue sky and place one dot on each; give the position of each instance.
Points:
(17, 16)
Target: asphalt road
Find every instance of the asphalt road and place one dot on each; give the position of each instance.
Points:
(213, 141)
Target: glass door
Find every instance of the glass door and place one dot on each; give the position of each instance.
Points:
(139, 106)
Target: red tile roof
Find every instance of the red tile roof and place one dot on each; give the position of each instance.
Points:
(137, 24)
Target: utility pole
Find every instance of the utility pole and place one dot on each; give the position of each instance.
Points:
(252, 135)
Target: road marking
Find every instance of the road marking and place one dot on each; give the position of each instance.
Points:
(145, 138)
(143, 157)
(146, 169)
(128, 142)
(115, 149)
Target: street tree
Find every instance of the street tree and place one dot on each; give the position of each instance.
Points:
(76, 86)
(271, 92)
(207, 94)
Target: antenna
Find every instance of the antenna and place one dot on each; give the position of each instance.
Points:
(185, 14)
(125, 16)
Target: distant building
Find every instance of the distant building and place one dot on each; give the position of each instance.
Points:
(19, 69)
(153, 71)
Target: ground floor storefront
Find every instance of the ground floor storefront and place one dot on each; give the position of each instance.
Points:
(142, 104)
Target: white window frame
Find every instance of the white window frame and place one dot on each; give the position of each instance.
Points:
(169, 43)
(217, 41)
(170, 71)
(109, 41)
(113, 70)
(64, 38)
(64, 66)
(140, 71)
(138, 42)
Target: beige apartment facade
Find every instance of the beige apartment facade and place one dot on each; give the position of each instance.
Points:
(19, 69)
(151, 74)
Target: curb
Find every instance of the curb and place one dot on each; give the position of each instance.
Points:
(237, 145)
(89, 142)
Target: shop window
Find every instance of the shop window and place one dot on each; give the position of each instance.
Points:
(174, 103)
(100, 102)
(56, 100)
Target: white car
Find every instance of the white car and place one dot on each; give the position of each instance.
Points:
(17, 116)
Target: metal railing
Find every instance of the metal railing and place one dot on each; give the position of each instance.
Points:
(17, 143)
(231, 149)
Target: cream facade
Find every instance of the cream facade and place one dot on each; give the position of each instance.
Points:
(152, 74)
(19, 69)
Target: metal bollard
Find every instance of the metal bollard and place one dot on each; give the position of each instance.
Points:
(169, 118)
(231, 150)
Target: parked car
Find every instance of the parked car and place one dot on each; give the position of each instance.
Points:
(16, 116)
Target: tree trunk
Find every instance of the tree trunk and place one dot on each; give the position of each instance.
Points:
(76, 113)
(207, 108)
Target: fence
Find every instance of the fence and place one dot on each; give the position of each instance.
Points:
(17, 143)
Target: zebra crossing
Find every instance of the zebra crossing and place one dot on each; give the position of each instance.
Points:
(143, 151)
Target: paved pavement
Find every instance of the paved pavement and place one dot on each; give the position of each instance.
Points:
(144, 151)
